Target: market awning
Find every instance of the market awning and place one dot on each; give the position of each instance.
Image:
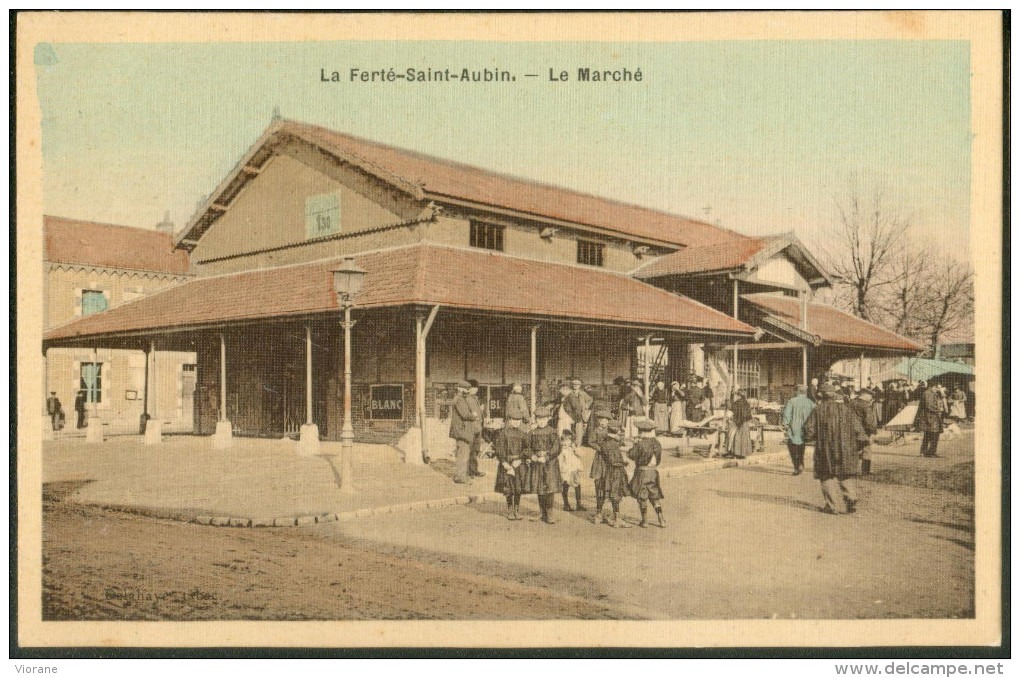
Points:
(925, 369)
(461, 279)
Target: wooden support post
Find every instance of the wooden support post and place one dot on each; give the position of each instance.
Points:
(534, 368)
(308, 374)
(736, 315)
(223, 378)
(94, 430)
(153, 425)
(804, 365)
(648, 372)
(308, 439)
(419, 393)
(860, 371)
(224, 435)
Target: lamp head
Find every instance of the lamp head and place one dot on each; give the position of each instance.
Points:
(347, 280)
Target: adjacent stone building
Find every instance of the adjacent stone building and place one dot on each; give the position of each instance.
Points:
(90, 268)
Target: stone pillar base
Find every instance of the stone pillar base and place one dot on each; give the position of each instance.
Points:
(94, 431)
(308, 443)
(224, 436)
(153, 432)
(47, 427)
(410, 445)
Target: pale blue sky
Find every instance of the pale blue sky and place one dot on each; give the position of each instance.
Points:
(765, 134)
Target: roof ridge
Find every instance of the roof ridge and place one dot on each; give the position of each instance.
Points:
(506, 175)
(90, 222)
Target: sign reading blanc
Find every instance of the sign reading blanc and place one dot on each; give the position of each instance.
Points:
(322, 215)
(387, 402)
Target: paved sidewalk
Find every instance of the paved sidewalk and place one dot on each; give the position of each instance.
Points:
(262, 482)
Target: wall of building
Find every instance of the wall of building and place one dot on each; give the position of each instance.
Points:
(523, 239)
(122, 375)
(270, 210)
(65, 283)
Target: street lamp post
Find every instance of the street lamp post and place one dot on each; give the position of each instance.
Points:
(347, 281)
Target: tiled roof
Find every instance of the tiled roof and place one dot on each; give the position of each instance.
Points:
(419, 274)
(437, 178)
(70, 241)
(719, 256)
(831, 325)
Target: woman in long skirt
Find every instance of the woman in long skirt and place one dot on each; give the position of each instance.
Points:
(660, 407)
(740, 427)
(676, 408)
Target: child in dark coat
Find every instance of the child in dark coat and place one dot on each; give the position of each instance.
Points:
(647, 455)
(614, 477)
(544, 478)
(510, 447)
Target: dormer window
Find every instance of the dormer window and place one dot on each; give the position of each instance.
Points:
(590, 253)
(487, 236)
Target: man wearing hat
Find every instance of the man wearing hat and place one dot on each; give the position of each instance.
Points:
(838, 434)
(476, 444)
(864, 408)
(644, 486)
(577, 405)
(929, 419)
(614, 481)
(56, 411)
(465, 426)
(543, 477)
(795, 413)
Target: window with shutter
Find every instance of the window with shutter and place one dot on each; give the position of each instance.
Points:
(92, 301)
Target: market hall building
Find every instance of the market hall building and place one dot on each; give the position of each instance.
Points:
(468, 274)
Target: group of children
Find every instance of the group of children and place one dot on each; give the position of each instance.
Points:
(543, 462)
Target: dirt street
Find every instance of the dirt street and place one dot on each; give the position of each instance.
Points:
(741, 543)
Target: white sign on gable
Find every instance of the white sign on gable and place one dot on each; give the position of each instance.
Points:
(322, 215)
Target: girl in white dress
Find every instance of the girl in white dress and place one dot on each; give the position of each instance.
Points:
(570, 470)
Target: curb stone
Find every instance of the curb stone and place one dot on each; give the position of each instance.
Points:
(713, 464)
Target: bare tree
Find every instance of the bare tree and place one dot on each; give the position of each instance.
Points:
(947, 299)
(862, 251)
(902, 299)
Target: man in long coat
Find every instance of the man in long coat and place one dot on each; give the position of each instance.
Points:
(838, 434)
(465, 424)
(865, 409)
(577, 404)
(929, 420)
(476, 443)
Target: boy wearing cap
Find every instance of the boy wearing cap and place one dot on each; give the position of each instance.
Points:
(596, 438)
(543, 447)
(465, 424)
(510, 447)
(644, 486)
(614, 480)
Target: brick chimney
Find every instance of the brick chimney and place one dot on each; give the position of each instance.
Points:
(166, 225)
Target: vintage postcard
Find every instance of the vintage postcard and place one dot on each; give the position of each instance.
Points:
(509, 330)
